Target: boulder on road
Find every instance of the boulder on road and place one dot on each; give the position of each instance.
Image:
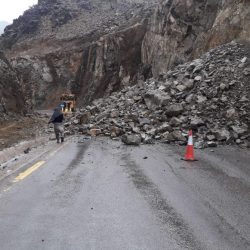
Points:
(132, 139)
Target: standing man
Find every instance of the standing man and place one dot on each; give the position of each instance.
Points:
(57, 119)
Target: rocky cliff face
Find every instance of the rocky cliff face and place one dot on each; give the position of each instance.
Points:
(110, 64)
(183, 30)
(47, 46)
(51, 25)
(95, 47)
(11, 93)
(177, 31)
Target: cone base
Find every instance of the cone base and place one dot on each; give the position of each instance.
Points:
(188, 159)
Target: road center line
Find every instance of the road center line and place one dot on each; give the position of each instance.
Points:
(29, 171)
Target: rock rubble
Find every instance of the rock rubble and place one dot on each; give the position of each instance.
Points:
(209, 95)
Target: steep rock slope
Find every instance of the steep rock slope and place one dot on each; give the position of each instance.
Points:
(182, 30)
(51, 25)
(110, 64)
(177, 31)
(11, 93)
(46, 44)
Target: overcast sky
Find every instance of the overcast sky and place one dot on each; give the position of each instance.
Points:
(11, 9)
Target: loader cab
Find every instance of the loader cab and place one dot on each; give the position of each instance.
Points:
(68, 103)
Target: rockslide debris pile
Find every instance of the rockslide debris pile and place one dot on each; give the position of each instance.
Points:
(209, 95)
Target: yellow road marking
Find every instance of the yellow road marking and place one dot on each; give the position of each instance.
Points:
(29, 171)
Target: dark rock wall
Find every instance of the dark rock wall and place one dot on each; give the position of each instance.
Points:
(109, 64)
(174, 30)
(44, 79)
(183, 30)
(11, 94)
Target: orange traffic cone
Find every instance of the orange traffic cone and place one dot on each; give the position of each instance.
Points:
(189, 156)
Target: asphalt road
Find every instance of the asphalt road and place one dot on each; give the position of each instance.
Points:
(102, 195)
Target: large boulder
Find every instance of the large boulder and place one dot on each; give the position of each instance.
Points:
(156, 98)
(133, 139)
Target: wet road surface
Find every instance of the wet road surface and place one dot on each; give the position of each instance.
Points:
(100, 194)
